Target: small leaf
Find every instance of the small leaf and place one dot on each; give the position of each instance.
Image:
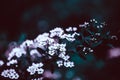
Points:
(97, 44)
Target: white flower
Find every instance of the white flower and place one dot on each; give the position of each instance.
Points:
(84, 49)
(51, 52)
(27, 43)
(90, 50)
(10, 73)
(98, 26)
(40, 71)
(42, 37)
(42, 40)
(62, 47)
(53, 46)
(74, 28)
(56, 32)
(98, 34)
(87, 49)
(35, 68)
(13, 61)
(68, 64)
(61, 55)
(51, 41)
(66, 57)
(40, 64)
(59, 63)
(69, 37)
(53, 49)
(65, 63)
(16, 52)
(69, 29)
(84, 25)
(31, 70)
(1, 63)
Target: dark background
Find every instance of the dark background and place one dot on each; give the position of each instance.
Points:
(33, 17)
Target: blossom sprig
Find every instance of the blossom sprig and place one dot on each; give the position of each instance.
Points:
(10, 73)
(35, 68)
(52, 49)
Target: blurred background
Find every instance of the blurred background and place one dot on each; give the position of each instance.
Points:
(25, 19)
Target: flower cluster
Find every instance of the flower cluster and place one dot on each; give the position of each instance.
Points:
(69, 29)
(10, 73)
(65, 63)
(18, 52)
(13, 61)
(52, 48)
(87, 50)
(56, 32)
(35, 68)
